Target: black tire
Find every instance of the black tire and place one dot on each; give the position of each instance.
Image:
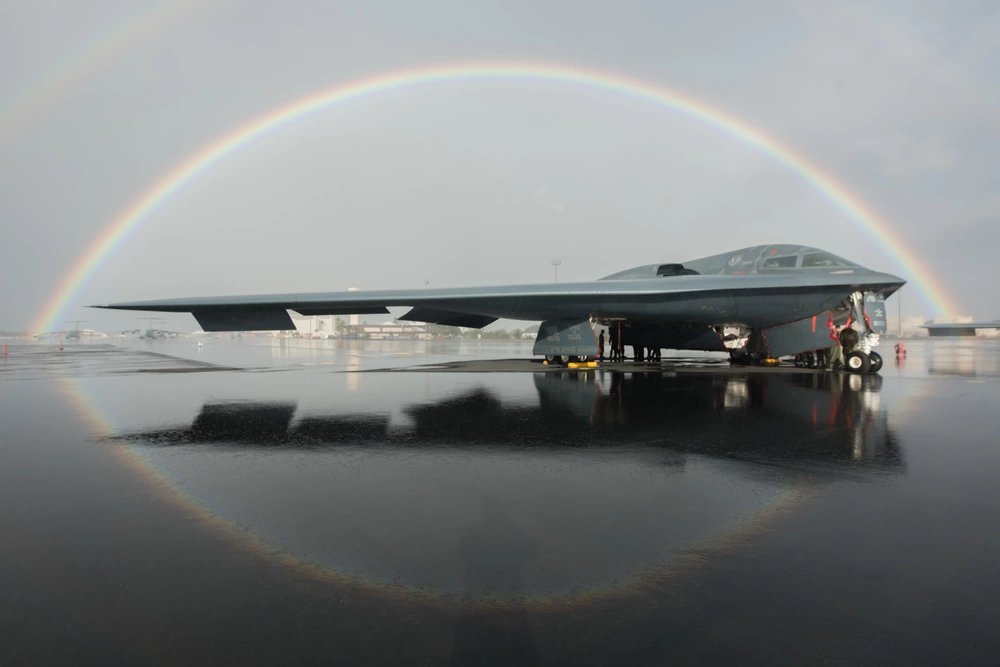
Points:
(874, 362)
(856, 362)
(739, 358)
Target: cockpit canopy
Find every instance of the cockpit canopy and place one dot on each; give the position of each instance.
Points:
(748, 261)
(674, 270)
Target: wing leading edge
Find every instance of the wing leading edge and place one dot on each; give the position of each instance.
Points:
(758, 300)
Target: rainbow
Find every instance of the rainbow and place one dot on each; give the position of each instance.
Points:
(139, 210)
(103, 47)
(646, 576)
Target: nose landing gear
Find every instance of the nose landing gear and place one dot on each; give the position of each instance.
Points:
(859, 362)
(874, 362)
(861, 358)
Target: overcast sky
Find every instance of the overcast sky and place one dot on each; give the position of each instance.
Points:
(485, 181)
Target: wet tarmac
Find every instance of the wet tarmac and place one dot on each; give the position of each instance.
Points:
(306, 502)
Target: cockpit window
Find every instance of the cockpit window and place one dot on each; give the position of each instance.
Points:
(779, 262)
(823, 260)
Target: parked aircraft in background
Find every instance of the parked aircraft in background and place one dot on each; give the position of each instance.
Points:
(76, 333)
(760, 302)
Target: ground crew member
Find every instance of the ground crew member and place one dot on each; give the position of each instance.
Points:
(848, 339)
(836, 353)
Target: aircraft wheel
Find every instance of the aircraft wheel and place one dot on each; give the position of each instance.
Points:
(857, 362)
(552, 359)
(874, 362)
(580, 358)
(739, 358)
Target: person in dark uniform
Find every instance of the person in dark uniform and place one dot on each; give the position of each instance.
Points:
(849, 339)
(600, 345)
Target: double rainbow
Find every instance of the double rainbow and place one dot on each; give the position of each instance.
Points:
(50, 88)
(139, 210)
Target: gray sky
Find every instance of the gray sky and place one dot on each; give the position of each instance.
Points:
(485, 181)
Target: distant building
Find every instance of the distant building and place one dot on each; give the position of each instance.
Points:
(387, 331)
(315, 326)
(963, 325)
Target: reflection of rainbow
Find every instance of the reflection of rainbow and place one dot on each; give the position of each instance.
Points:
(72, 71)
(139, 210)
(101, 428)
(676, 563)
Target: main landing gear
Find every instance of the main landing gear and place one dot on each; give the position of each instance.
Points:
(565, 359)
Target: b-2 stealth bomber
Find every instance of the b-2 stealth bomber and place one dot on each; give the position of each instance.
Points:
(756, 303)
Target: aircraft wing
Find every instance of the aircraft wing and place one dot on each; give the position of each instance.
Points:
(754, 300)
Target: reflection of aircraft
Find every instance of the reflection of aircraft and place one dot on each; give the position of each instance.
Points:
(565, 483)
(763, 301)
(818, 418)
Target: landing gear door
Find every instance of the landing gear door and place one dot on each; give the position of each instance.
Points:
(875, 310)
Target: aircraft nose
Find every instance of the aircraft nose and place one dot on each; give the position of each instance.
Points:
(890, 282)
(899, 282)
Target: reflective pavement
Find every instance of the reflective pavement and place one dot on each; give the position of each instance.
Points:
(257, 501)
